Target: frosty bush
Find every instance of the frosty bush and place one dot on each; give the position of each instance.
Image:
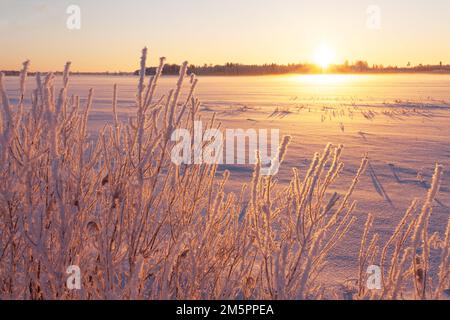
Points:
(141, 227)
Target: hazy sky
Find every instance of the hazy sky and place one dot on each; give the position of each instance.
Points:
(217, 31)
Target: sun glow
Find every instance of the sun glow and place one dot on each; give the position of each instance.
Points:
(325, 79)
(324, 56)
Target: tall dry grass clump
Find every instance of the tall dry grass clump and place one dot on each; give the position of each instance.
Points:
(405, 258)
(141, 227)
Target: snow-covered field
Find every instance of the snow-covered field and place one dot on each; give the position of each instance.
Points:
(400, 121)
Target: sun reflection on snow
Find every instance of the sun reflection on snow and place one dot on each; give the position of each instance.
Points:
(324, 79)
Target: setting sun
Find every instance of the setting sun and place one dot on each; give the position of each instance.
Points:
(324, 56)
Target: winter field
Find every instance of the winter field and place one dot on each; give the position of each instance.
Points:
(97, 190)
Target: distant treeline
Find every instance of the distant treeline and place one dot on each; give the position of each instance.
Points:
(232, 69)
(235, 69)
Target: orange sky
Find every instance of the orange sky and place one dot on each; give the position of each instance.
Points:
(213, 31)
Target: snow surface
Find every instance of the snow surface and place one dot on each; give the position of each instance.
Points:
(401, 121)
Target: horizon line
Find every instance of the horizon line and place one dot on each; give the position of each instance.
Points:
(380, 67)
